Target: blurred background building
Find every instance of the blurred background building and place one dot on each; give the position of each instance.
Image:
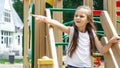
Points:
(10, 30)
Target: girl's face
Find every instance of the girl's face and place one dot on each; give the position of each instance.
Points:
(80, 17)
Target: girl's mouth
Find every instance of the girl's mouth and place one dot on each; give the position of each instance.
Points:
(77, 21)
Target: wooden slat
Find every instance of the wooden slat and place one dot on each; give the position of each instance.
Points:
(118, 27)
(58, 34)
(113, 9)
(110, 31)
(26, 37)
(52, 41)
(118, 15)
(40, 46)
(53, 48)
(48, 47)
(110, 6)
(88, 3)
(109, 59)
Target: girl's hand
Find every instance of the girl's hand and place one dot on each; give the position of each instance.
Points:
(114, 39)
(39, 18)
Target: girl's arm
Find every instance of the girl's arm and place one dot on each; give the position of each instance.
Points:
(52, 22)
(103, 49)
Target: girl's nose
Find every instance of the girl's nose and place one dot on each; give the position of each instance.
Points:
(78, 17)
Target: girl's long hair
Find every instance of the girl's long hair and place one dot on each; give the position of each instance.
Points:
(89, 27)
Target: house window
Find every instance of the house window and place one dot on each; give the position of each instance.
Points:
(7, 16)
(10, 40)
(18, 40)
(1, 39)
(6, 41)
(2, 33)
(6, 38)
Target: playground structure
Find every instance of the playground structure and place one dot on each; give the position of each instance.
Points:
(45, 36)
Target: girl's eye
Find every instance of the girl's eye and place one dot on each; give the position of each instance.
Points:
(81, 16)
(76, 15)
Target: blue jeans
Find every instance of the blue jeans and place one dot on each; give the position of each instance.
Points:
(69, 66)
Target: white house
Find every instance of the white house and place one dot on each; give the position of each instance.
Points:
(10, 30)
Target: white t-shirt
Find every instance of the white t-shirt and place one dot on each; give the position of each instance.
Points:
(81, 57)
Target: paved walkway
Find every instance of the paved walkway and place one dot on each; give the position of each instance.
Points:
(11, 65)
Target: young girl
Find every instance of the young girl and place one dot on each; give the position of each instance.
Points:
(82, 38)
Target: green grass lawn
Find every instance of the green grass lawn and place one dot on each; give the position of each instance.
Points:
(3, 61)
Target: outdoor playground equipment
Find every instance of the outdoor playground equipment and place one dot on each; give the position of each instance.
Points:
(45, 38)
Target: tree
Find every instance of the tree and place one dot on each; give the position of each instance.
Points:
(68, 16)
(18, 6)
(98, 5)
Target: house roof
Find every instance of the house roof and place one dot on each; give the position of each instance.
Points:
(16, 19)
